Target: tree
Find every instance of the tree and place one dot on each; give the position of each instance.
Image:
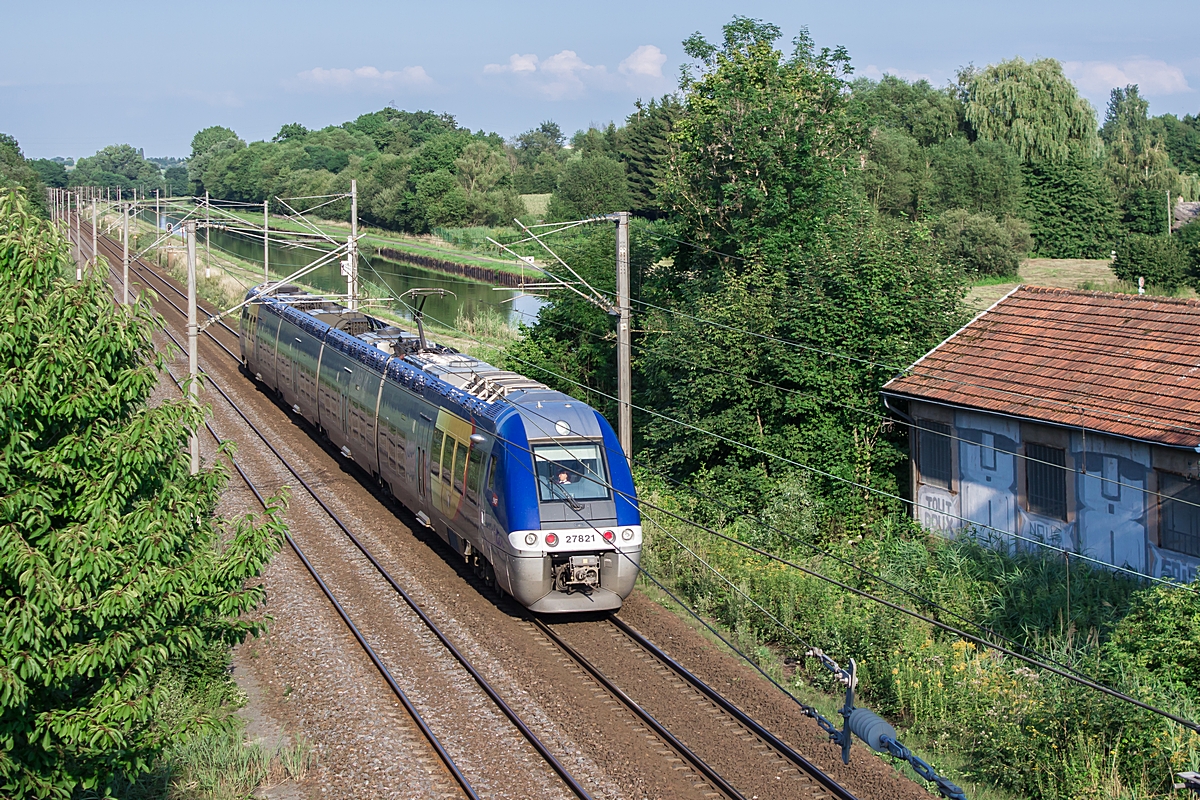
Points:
(120, 166)
(176, 178)
(588, 187)
(1070, 208)
(1034, 108)
(1138, 164)
(1162, 261)
(205, 145)
(645, 152)
(539, 155)
(780, 244)
(52, 173)
(926, 114)
(112, 561)
(980, 244)
(292, 130)
(17, 173)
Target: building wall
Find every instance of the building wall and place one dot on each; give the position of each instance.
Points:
(1111, 513)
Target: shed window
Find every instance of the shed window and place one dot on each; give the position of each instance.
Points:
(934, 453)
(1046, 480)
(1179, 522)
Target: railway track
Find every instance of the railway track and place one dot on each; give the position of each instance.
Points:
(691, 763)
(551, 760)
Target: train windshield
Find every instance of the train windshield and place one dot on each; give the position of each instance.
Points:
(570, 472)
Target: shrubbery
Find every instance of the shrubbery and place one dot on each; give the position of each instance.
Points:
(1161, 261)
(1009, 725)
(980, 244)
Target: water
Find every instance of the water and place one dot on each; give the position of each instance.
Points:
(470, 298)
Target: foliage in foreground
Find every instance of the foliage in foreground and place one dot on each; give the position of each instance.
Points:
(1012, 726)
(113, 565)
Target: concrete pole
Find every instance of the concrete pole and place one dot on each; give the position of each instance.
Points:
(78, 243)
(266, 244)
(94, 223)
(125, 254)
(157, 213)
(207, 234)
(624, 367)
(193, 331)
(352, 249)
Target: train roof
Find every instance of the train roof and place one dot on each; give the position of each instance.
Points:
(380, 344)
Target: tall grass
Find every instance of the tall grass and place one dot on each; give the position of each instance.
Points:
(984, 717)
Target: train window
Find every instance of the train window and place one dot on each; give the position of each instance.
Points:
(491, 478)
(435, 453)
(460, 466)
(570, 472)
(474, 468)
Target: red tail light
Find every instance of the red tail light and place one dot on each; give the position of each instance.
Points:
(608, 536)
(551, 539)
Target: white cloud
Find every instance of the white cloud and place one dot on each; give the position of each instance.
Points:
(516, 63)
(1153, 76)
(365, 78)
(875, 73)
(566, 76)
(647, 61)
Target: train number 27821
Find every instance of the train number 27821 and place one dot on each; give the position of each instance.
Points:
(579, 538)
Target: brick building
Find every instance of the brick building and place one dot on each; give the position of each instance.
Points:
(1067, 417)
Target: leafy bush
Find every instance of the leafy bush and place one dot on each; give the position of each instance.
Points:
(1188, 238)
(1024, 730)
(588, 187)
(112, 563)
(1159, 260)
(980, 244)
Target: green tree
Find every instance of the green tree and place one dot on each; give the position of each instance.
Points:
(1162, 261)
(980, 244)
(784, 247)
(1182, 140)
(17, 173)
(205, 145)
(120, 166)
(645, 151)
(176, 178)
(52, 173)
(1034, 108)
(1138, 164)
(926, 114)
(112, 561)
(588, 187)
(539, 156)
(1070, 208)
(292, 130)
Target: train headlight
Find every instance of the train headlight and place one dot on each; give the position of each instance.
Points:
(551, 539)
(608, 536)
(531, 538)
(627, 534)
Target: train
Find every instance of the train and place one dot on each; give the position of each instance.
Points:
(526, 484)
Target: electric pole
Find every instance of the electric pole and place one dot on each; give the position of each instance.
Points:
(95, 200)
(352, 249)
(624, 367)
(78, 243)
(192, 332)
(266, 244)
(207, 234)
(125, 254)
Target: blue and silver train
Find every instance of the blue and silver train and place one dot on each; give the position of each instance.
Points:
(527, 484)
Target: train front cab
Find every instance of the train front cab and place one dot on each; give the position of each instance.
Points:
(558, 508)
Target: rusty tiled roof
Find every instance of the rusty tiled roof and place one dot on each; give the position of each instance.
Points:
(1114, 363)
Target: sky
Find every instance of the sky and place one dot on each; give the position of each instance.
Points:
(75, 77)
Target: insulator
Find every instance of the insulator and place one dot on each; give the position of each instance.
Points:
(870, 727)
